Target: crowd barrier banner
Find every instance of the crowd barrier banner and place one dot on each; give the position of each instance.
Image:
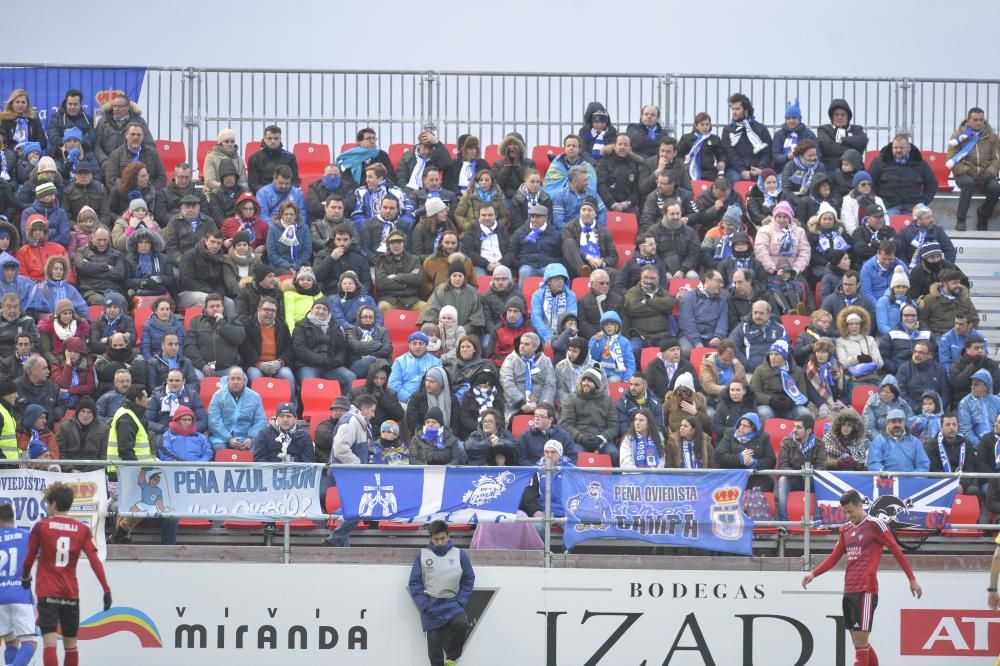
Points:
(905, 502)
(262, 492)
(691, 510)
(422, 494)
(25, 489)
(48, 85)
(257, 614)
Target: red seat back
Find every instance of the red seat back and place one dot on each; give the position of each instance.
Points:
(699, 186)
(617, 389)
(520, 423)
(580, 287)
(492, 154)
(860, 395)
(396, 151)
(647, 356)
(483, 282)
(794, 325)
(250, 150)
(941, 171)
(204, 148)
(593, 460)
(311, 157)
(273, 391)
(208, 387)
(540, 155)
(623, 227)
(897, 222)
(317, 394)
(777, 430)
(233, 455)
(171, 154)
(698, 354)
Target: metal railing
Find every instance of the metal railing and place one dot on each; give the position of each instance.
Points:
(808, 524)
(330, 106)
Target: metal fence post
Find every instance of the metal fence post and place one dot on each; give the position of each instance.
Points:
(429, 83)
(191, 117)
(807, 519)
(286, 543)
(903, 113)
(548, 515)
(669, 122)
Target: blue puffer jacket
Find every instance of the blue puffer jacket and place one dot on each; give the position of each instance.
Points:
(57, 218)
(345, 310)
(279, 255)
(539, 320)
(185, 447)
(23, 286)
(407, 373)
(52, 291)
(976, 415)
(875, 280)
(876, 412)
(887, 311)
(702, 316)
(905, 454)
(596, 348)
(566, 207)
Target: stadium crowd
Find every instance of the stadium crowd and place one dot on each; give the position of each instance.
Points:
(629, 299)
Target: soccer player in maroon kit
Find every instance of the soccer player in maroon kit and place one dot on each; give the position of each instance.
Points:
(862, 538)
(57, 542)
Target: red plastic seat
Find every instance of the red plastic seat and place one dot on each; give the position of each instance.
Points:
(97, 310)
(623, 227)
(762, 531)
(964, 511)
(936, 161)
(296, 525)
(820, 427)
(483, 282)
(540, 155)
(316, 395)
(358, 382)
(698, 354)
(520, 423)
(171, 154)
(396, 151)
(580, 287)
(860, 395)
(273, 391)
(492, 154)
(141, 315)
(625, 252)
(647, 356)
(897, 222)
(593, 460)
(794, 325)
(344, 147)
(400, 323)
(332, 503)
(530, 285)
(208, 387)
(233, 455)
(194, 524)
(617, 389)
(204, 148)
(743, 189)
(390, 526)
(399, 348)
(699, 186)
(870, 157)
(796, 508)
(678, 284)
(250, 150)
(452, 149)
(190, 314)
(312, 158)
(777, 430)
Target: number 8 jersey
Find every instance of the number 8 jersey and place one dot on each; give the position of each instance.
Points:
(57, 542)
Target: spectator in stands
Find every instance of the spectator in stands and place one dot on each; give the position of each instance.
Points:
(778, 385)
(952, 343)
(612, 350)
(262, 164)
(135, 184)
(754, 337)
(12, 365)
(717, 246)
(58, 328)
(618, 176)
(826, 236)
(136, 219)
(527, 377)
(585, 245)
(848, 294)
(132, 150)
(799, 448)
(113, 397)
(747, 142)
(588, 415)
(160, 322)
(820, 326)
(262, 282)
(247, 219)
(183, 440)
(896, 451)
(667, 190)
(735, 401)
(168, 358)
(86, 192)
(989, 461)
(437, 267)
(20, 120)
(345, 303)
(845, 442)
(533, 441)
(339, 256)
(902, 177)
(461, 295)
(46, 205)
(114, 318)
(168, 398)
(352, 445)
(57, 287)
(928, 270)
(100, 268)
(82, 437)
(35, 388)
(289, 243)
(703, 314)
(235, 413)
(648, 309)
(567, 201)
(974, 161)
(859, 203)
(367, 340)
(489, 438)
(553, 298)
(495, 300)
(327, 429)
(943, 301)
(557, 175)
(266, 350)
(428, 152)
(484, 191)
(921, 373)
(30, 168)
(74, 373)
(896, 346)
(597, 130)
(120, 355)
(282, 440)
(839, 136)
(978, 410)
(719, 369)
(431, 188)
(212, 340)
(275, 194)
(70, 115)
(327, 215)
(180, 186)
(857, 351)
(487, 245)
(536, 245)
(571, 368)
(703, 152)
(398, 276)
(598, 300)
(511, 169)
(689, 447)
(116, 115)
(642, 443)
(645, 255)
(782, 248)
(14, 322)
(914, 237)
(369, 200)
(186, 231)
(356, 161)
(201, 273)
(972, 359)
(408, 370)
(432, 225)
(435, 392)
(376, 230)
(646, 134)
(877, 272)
(711, 205)
(320, 348)
(225, 151)
(376, 385)
(788, 135)
(947, 453)
(677, 243)
(838, 263)
(71, 155)
(887, 309)
(318, 196)
(747, 446)
(638, 397)
(663, 161)
(876, 410)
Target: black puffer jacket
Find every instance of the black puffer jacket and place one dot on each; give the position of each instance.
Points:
(200, 270)
(854, 138)
(316, 349)
(208, 340)
(618, 177)
(261, 166)
(903, 184)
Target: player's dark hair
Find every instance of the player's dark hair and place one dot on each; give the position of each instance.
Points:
(437, 527)
(61, 495)
(850, 497)
(6, 513)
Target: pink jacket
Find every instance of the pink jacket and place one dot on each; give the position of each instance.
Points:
(77, 240)
(767, 248)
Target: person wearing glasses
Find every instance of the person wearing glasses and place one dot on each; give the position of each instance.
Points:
(116, 116)
(531, 443)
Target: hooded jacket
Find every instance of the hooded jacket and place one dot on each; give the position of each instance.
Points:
(896, 347)
(922, 425)
(379, 346)
(160, 279)
(590, 420)
(904, 184)
(316, 349)
(976, 415)
(408, 373)
(964, 367)
(174, 445)
(258, 225)
(504, 333)
(201, 270)
(728, 412)
(110, 133)
(729, 450)
(850, 347)
(850, 453)
(853, 137)
(424, 452)
(23, 286)
(56, 218)
(767, 248)
(510, 176)
(512, 381)
(937, 311)
(539, 321)
(76, 441)
(598, 345)
(387, 405)
(212, 167)
(51, 291)
(586, 139)
(902, 454)
(876, 411)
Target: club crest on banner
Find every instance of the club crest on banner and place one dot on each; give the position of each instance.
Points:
(488, 488)
(377, 496)
(727, 516)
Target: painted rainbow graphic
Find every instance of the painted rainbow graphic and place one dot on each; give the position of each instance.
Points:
(121, 618)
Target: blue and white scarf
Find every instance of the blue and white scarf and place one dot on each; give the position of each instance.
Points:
(529, 381)
(725, 374)
(945, 462)
(831, 240)
(694, 157)
(290, 239)
(724, 249)
(789, 386)
(791, 139)
(366, 333)
(138, 154)
(170, 402)
(74, 380)
(644, 452)
(589, 246)
(109, 325)
(4, 168)
(769, 199)
(484, 399)
(918, 243)
(435, 435)
(689, 460)
(598, 138)
(738, 128)
(808, 445)
(554, 305)
(787, 242)
(970, 138)
(20, 130)
(533, 235)
(486, 196)
(804, 173)
(611, 355)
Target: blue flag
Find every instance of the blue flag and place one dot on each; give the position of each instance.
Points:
(689, 510)
(902, 502)
(46, 86)
(422, 494)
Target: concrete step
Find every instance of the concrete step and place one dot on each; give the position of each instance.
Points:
(979, 259)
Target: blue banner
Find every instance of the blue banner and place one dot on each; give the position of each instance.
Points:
(688, 510)
(47, 86)
(422, 494)
(905, 502)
